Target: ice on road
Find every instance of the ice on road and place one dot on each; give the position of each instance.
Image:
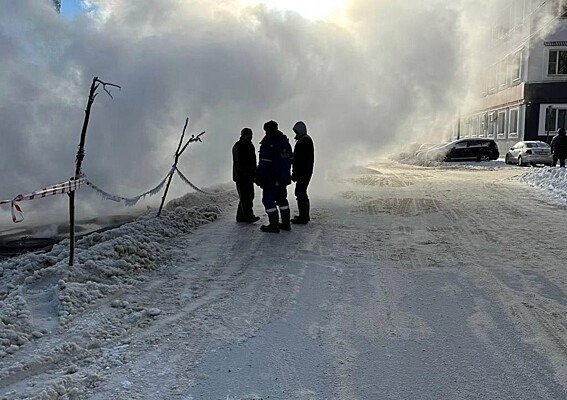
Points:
(410, 283)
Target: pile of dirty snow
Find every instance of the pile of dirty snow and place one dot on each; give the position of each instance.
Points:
(105, 264)
(553, 181)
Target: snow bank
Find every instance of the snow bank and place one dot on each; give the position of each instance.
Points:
(38, 288)
(552, 180)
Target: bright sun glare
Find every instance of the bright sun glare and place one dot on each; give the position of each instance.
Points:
(312, 9)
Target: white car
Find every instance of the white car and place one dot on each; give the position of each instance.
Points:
(529, 152)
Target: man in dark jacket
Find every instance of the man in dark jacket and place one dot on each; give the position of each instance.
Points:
(243, 173)
(559, 148)
(273, 176)
(303, 160)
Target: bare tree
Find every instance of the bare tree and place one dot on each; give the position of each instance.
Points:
(81, 155)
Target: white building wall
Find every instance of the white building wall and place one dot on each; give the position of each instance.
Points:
(539, 54)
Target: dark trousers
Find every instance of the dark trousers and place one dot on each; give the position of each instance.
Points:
(301, 190)
(561, 159)
(246, 195)
(273, 197)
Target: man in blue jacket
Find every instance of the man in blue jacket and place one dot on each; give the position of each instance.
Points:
(273, 176)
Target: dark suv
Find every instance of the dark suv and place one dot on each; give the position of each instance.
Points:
(470, 149)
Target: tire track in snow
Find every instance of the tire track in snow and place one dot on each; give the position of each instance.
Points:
(192, 327)
(477, 228)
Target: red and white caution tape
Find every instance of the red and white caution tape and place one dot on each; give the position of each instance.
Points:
(61, 188)
(73, 184)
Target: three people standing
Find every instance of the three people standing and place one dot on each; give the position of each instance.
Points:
(273, 174)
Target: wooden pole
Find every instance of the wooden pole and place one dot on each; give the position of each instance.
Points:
(79, 160)
(78, 163)
(177, 154)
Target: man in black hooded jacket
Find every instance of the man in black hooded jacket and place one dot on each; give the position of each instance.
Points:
(303, 160)
(243, 173)
(559, 148)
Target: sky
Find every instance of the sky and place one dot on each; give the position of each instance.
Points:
(312, 9)
(363, 75)
(71, 7)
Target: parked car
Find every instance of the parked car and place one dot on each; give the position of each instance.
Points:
(469, 149)
(529, 152)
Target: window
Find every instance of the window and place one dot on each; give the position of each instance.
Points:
(557, 62)
(514, 119)
(501, 122)
(516, 67)
(551, 116)
(559, 8)
(478, 143)
(491, 125)
(475, 126)
(517, 15)
(492, 78)
(502, 73)
(461, 145)
(561, 118)
(483, 125)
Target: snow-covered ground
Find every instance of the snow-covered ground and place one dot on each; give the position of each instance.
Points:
(552, 181)
(412, 282)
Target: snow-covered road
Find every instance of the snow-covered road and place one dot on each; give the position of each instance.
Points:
(411, 283)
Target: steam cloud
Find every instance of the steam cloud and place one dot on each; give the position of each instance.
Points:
(388, 71)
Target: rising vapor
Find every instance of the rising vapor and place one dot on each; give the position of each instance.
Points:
(386, 71)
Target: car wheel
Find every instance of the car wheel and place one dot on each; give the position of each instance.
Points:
(507, 159)
(484, 157)
(520, 162)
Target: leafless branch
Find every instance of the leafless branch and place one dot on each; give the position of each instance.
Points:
(191, 140)
(105, 84)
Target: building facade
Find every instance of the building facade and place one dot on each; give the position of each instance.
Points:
(524, 87)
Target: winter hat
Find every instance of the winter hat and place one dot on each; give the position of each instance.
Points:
(300, 129)
(271, 126)
(246, 132)
(561, 131)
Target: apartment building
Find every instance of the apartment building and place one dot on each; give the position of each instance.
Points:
(523, 93)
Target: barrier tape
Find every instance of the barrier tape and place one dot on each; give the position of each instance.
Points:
(61, 188)
(187, 181)
(130, 201)
(73, 184)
